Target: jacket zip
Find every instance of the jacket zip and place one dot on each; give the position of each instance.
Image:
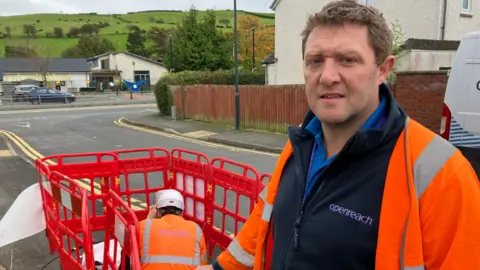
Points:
(304, 210)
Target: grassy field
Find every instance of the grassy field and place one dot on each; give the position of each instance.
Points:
(116, 32)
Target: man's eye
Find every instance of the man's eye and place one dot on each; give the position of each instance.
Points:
(315, 61)
(349, 60)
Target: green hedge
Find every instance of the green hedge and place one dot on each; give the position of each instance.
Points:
(164, 95)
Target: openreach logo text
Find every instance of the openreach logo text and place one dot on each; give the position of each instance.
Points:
(351, 214)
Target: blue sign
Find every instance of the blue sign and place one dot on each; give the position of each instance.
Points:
(134, 86)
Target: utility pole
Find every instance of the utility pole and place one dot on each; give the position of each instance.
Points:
(237, 97)
(253, 48)
(171, 54)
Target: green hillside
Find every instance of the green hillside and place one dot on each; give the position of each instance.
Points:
(116, 31)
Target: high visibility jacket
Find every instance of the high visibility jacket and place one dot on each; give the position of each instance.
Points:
(171, 242)
(429, 218)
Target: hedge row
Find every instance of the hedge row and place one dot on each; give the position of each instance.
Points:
(163, 93)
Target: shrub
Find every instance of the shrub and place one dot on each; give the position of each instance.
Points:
(164, 97)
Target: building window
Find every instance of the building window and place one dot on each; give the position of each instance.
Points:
(367, 2)
(105, 64)
(467, 5)
(142, 75)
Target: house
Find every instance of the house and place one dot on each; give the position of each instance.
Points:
(270, 68)
(441, 20)
(69, 73)
(119, 66)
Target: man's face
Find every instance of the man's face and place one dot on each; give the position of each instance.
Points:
(341, 74)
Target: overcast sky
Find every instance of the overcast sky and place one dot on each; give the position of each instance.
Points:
(16, 7)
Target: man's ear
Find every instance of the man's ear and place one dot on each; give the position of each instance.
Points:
(385, 68)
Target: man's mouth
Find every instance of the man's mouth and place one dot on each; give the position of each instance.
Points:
(331, 96)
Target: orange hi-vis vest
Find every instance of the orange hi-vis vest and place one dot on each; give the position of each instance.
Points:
(171, 242)
(429, 219)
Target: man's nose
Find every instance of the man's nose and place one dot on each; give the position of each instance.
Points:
(330, 75)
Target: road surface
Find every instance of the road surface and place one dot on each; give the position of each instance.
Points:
(76, 130)
(7, 104)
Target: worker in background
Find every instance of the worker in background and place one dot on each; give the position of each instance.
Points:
(359, 185)
(167, 240)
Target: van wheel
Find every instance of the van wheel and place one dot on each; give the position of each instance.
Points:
(35, 102)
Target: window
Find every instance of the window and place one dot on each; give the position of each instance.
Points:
(367, 2)
(467, 5)
(142, 75)
(105, 64)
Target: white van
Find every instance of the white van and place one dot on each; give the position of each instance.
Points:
(461, 109)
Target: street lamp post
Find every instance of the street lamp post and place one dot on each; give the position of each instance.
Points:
(171, 54)
(253, 48)
(235, 52)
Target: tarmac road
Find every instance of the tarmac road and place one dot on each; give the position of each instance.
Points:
(76, 130)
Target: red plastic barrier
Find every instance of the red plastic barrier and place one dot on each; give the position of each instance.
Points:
(67, 218)
(121, 227)
(135, 175)
(192, 178)
(239, 184)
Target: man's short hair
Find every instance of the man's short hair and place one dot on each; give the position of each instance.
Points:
(350, 11)
(170, 210)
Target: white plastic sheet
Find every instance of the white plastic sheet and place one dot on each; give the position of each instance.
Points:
(98, 252)
(24, 218)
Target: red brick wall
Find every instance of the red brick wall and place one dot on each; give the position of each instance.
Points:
(274, 108)
(421, 96)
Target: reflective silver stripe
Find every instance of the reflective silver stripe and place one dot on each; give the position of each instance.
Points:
(195, 261)
(239, 254)
(198, 237)
(430, 162)
(263, 194)
(267, 212)
(421, 267)
(267, 208)
(168, 259)
(146, 241)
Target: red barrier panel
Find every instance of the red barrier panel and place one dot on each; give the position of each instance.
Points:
(192, 178)
(67, 219)
(121, 227)
(228, 188)
(94, 172)
(143, 172)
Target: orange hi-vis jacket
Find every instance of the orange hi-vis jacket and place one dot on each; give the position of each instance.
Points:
(429, 217)
(171, 242)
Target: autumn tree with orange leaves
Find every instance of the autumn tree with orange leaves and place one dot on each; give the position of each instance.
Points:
(264, 40)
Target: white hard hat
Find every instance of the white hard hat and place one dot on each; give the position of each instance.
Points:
(169, 197)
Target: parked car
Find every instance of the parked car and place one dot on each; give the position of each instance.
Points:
(19, 92)
(1, 91)
(48, 95)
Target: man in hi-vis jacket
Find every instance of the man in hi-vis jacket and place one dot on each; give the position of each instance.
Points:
(359, 185)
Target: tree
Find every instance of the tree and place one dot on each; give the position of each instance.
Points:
(30, 30)
(225, 22)
(160, 38)
(398, 41)
(264, 40)
(20, 52)
(198, 45)
(88, 46)
(58, 32)
(8, 31)
(136, 40)
(73, 32)
(89, 29)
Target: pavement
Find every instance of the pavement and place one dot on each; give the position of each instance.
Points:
(256, 140)
(32, 252)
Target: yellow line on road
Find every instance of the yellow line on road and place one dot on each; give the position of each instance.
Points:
(34, 154)
(121, 123)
